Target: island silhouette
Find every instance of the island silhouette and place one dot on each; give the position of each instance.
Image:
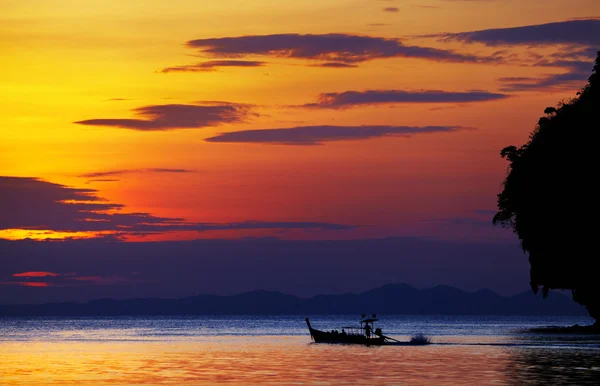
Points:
(550, 197)
(390, 299)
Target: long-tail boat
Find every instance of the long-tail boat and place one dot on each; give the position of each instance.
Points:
(363, 334)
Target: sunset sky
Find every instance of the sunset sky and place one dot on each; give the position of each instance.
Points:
(171, 133)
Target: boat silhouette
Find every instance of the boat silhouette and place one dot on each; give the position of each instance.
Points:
(364, 334)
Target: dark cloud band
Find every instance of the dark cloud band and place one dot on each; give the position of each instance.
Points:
(177, 116)
(370, 97)
(315, 135)
(341, 48)
(583, 32)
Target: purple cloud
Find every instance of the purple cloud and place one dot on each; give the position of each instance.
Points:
(342, 48)
(335, 100)
(317, 135)
(577, 40)
(34, 204)
(178, 116)
(580, 32)
(213, 65)
(576, 75)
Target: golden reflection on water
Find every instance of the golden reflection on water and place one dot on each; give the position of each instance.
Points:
(257, 360)
(252, 360)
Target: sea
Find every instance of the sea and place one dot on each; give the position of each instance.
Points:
(277, 350)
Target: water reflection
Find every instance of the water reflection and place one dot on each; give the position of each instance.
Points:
(277, 351)
(555, 366)
(288, 360)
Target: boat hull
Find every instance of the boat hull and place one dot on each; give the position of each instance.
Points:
(330, 337)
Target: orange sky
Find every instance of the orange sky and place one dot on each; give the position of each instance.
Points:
(65, 62)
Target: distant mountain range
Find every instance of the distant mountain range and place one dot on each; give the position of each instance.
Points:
(391, 299)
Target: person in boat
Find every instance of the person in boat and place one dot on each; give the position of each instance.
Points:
(343, 332)
(367, 330)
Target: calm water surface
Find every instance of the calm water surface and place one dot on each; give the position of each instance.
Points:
(278, 350)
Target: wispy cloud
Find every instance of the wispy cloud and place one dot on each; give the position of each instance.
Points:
(577, 73)
(316, 135)
(178, 116)
(119, 172)
(337, 100)
(335, 65)
(51, 279)
(101, 180)
(213, 65)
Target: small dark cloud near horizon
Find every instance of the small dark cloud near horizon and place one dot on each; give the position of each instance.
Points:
(71, 279)
(347, 99)
(318, 135)
(35, 204)
(391, 9)
(378, 24)
(213, 65)
(178, 116)
(117, 99)
(31, 274)
(343, 48)
(119, 172)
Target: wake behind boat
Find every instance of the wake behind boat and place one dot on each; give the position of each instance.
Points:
(364, 334)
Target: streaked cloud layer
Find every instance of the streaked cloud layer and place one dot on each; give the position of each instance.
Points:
(119, 172)
(343, 48)
(317, 135)
(213, 65)
(576, 73)
(582, 32)
(336, 100)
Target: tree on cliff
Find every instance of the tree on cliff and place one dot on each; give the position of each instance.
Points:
(551, 198)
